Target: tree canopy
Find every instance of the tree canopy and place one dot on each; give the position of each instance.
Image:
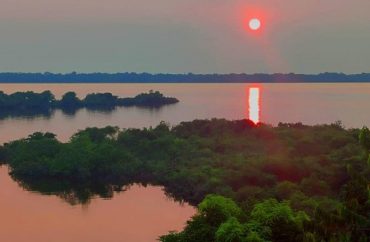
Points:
(250, 182)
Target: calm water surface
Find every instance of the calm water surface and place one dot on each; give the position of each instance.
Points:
(307, 103)
(142, 214)
(138, 215)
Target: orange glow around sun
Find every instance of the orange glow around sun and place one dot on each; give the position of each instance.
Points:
(255, 19)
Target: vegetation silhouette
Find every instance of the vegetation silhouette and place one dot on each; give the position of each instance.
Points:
(132, 77)
(30, 104)
(291, 182)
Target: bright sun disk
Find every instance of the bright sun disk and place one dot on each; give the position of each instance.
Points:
(254, 24)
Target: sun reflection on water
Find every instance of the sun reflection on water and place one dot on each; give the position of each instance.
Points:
(254, 104)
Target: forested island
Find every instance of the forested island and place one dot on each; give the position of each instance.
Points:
(251, 183)
(132, 77)
(30, 102)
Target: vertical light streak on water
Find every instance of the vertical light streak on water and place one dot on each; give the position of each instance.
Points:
(254, 104)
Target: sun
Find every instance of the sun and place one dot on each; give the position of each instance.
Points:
(255, 24)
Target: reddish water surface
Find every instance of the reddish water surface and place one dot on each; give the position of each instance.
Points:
(140, 214)
(307, 103)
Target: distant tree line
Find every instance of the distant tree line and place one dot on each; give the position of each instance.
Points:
(178, 78)
(251, 183)
(25, 102)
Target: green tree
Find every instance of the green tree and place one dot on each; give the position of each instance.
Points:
(254, 237)
(217, 209)
(230, 231)
(276, 221)
(364, 138)
(70, 100)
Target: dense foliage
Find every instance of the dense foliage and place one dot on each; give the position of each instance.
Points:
(27, 102)
(220, 219)
(287, 183)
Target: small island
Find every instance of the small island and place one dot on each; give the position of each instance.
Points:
(25, 102)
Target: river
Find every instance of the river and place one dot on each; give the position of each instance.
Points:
(141, 214)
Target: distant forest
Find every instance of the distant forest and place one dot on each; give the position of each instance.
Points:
(179, 78)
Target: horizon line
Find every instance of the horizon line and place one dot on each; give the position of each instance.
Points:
(185, 73)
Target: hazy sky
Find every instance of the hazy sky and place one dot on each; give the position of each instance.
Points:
(177, 36)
